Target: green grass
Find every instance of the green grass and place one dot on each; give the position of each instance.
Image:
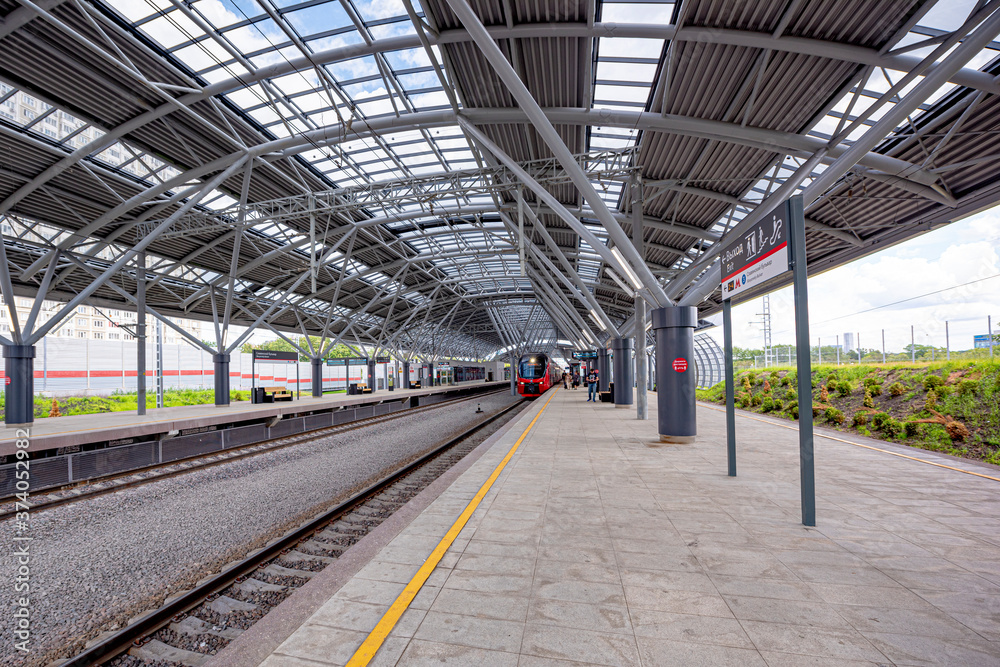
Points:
(968, 391)
(125, 402)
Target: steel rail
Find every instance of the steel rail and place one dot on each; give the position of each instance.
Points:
(239, 452)
(121, 641)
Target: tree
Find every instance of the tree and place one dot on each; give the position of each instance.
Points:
(282, 345)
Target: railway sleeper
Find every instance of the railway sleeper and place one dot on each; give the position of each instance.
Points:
(194, 627)
(156, 651)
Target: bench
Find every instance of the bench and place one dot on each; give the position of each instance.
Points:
(364, 389)
(278, 393)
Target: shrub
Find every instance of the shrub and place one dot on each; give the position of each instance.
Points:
(844, 388)
(793, 409)
(869, 402)
(824, 394)
(860, 418)
(767, 387)
(774, 377)
(756, 400)
(931, 401)
(791, 395)
(743, 399)
(879, 419)
(767, 404)
(896, 389)
(942, 391)
(892, 428)
(751, 378)
(834, 415)
(874, 388)
(778, 405)
(911, 429)
(968, 387)
(932, 381)
(746, 383)
(787, 380)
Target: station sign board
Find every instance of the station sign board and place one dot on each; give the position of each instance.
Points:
(757, 255)
(586, 354)
(983, 340)
(275, 356)
(347, 361)
(382, 360)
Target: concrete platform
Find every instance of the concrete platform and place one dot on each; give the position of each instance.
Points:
(596, 545)
(68, 431)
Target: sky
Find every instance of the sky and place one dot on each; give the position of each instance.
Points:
(959, 253)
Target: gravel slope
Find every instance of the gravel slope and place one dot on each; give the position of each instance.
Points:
(97, 563)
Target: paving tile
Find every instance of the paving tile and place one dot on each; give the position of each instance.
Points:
(807, 640)
(689, 628)
(601, 618)
(785, 611)
(488, 633)
(322, 644)
(573, 590)
(678, 601)
(555, 570)
(666, 652)
(916, 650)
(776, 659)
(778, 589)
(470, 580)
(434, 654)
(927, 622)
(361, 616)
(481, 605)
(580, 645)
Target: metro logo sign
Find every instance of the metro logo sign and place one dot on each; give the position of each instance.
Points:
(757, 255)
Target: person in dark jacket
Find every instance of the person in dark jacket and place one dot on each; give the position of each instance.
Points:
(576, 380)
(592, 385)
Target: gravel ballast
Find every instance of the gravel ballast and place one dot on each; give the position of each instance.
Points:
(97, 563)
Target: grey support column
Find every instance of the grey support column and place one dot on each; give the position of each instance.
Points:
(19, 392)
(622, 347)
(406, 375)
(513, 376)
(675, 373)
(371, 376)
(641, 366)
(317, 377)
(140, 333)
(221, 368)
(727, 333)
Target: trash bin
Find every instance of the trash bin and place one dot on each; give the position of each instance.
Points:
(257, 395)
(352, 389)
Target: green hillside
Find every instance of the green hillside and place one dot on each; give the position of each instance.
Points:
(951, 407)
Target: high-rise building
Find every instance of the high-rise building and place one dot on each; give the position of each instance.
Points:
(848, 342)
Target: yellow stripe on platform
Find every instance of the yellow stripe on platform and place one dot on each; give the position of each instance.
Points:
(378, 635)
(858, 444)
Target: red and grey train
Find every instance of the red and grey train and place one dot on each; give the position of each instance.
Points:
(536, 374)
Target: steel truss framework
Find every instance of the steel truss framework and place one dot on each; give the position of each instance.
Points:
(469, 182)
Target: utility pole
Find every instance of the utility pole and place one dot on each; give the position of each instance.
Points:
(765, 323)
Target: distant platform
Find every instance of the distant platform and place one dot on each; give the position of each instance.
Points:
(78, 430)
(597, 545)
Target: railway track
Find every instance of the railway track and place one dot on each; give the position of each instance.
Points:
(98, 486)
(193, 626)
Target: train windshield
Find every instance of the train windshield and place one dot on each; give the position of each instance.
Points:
(532, 368)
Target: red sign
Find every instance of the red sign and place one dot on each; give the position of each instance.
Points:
(680, 364)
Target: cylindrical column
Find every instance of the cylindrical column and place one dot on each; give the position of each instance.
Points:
(622, 348)
(19, 369)
(221, 367)
(371, 376)
(513, 375)
(675, 373)
(406, 375)
(603, 370)
(317, 376)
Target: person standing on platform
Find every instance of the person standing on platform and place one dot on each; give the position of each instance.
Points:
(592, 385)
(576, 379)
(565, 379)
